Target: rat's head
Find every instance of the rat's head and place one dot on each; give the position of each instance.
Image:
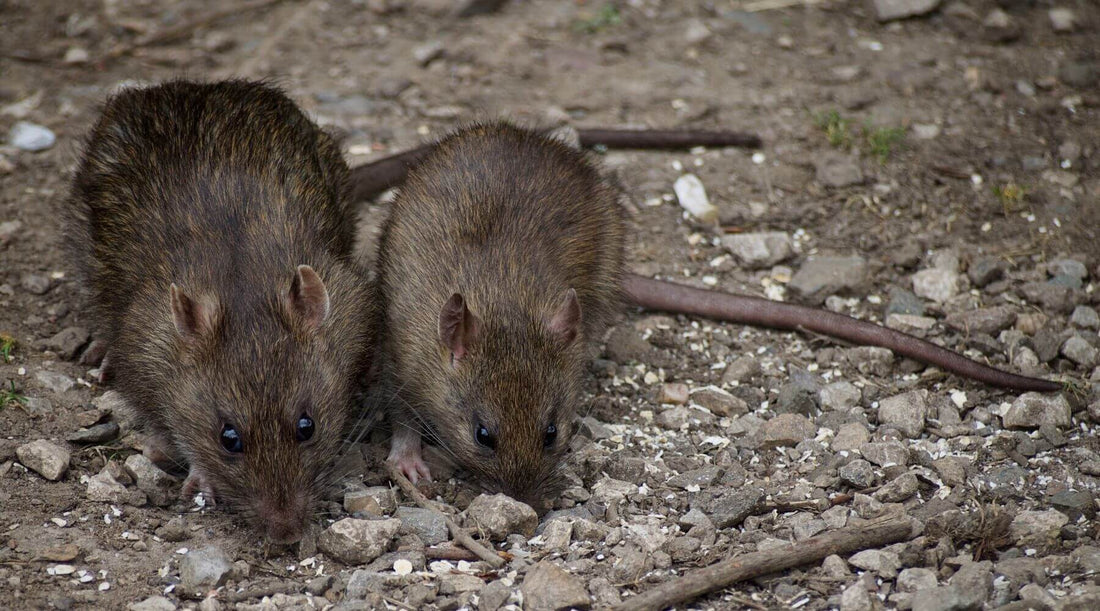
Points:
(268, 395)
(511, 390)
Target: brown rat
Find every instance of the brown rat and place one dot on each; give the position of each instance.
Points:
(498, 266)
(210, 225)
(484, 242)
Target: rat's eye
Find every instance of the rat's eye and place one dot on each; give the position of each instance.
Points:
(231, 439)
(484, 437)
(550, 437)
(305, 428)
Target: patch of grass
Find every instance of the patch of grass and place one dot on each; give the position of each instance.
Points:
(1011, 196)
(881, 141)
(7, 346)
(606, 17)
(838, 130)
(9, 396)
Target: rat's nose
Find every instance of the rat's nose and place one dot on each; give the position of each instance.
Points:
(283, 522)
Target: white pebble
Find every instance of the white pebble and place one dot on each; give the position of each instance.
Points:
(402, 566)
(693, 197)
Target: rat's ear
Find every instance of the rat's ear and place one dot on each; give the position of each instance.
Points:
(308, 298)
(193, 318)
(566, 321)
(458, 327)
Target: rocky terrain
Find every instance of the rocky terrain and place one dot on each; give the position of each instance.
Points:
(931, 165)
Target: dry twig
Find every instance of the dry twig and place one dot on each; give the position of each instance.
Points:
(460, 536)
(749, 566)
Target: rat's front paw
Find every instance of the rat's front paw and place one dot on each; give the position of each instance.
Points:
(196, 483)
(405, 455)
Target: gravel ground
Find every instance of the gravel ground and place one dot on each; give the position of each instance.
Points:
(937, 173)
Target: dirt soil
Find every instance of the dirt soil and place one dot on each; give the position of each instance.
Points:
(954, 155)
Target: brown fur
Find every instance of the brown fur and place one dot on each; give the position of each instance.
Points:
(224, 189)
(511, 220)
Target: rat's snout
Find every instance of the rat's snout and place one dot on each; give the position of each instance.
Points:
(283, 518)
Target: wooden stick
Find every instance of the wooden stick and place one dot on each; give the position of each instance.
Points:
(185, 28)
(749, 566)
(457, 533)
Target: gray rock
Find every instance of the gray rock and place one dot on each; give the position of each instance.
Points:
(882, 562)
(1051, 297)
(37, 406)
(787, 430)
(548, 588)
(55, 382)
(840, 396)
(319, 585)
(850, 437)
(914, 579)
(858, 474)
(889, 10)
(835, 567)
(364, 582)
(985, 270)
(429, 525)
(1074, 504)
(906, 412)
(1032, 410)
(904, 302)
(913, 325)
(28, 136)
(1068, 267)
(838, 170)
(1085, 318)
(493, 596)
(594, 429)
(936, 284)
(1062, 20)
(361, 503)
(153, 603)
(1087, 558)
(8, 231)
(1080, 351)
(49, 460)
(557, 535)
(757, 250)
(985, 320)
(609, 491)
(952, 469)
(730, 509)
(103, 487)
(974, 583)
(1079, 73)
(67, 342)
(425, 53)
(799, 395)
(885, 453)
(1037, 526)
(856, 598)
(175, 530)
(37, 284)
(159, 486)
(898, 489)
(820, 277)
(99, 433)
(457, 583)
(354, 541)
(703, 477)
(681, 416)
(673, 393)
(741, 370)
(625, 345)
(719, 402)
(499, 515)
(204, 569)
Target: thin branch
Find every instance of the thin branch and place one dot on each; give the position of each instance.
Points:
(750, 566)
(460, 536)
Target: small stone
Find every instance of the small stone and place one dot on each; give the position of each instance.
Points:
(1051, 297)
(55, 382)
(758, 250)
(548, 588)
(362, 503)
(67, 342)
(820, 277)
(741, 370)
(1080, 351)
(1037, 526)
(1069, 151)
(49, 460)
(719, 402)
(838, 170)
(8, 229)
(319, 585)
(731, 509)
(913, 325)
(696, 32)
(952, 469)
(936, 284)
(693, 197)
(680, 417)
(99, 433)
(850, 437)
(885, 453)
(428, 52)
(151, 479)
(973, 582)
(557, 535)
(499, 515)
(153, 603)
(456, 583)
(594, 429)
(1031, 410)
(835, 567)
(493, 596)
(986, 270)
(926, 131)
(76, 55)
(856, 598)
(787, 430)
(906, 412)
(799, 395)
(31, 137)
(174, 531)
(1080, 73)
(1000, 27)
(103, 487)
(1085, 317)
(37, 284)
(429, 525)
(365, 582)
(702, 477)
(840, 396)
(882, 562)
(985, 320)
(1068, 267)
(904, 302)
(674, 394)
(889, 10)
(204, 569)
(1074, 504)
(625, 345)
(1062, 20)
(899, 489)
(354, 541)
(858, 474)
(609, 491)
(914, 579)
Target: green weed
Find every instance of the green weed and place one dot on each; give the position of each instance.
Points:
(606, 17)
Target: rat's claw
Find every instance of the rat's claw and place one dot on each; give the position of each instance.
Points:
(196, 483)
(405, 455)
